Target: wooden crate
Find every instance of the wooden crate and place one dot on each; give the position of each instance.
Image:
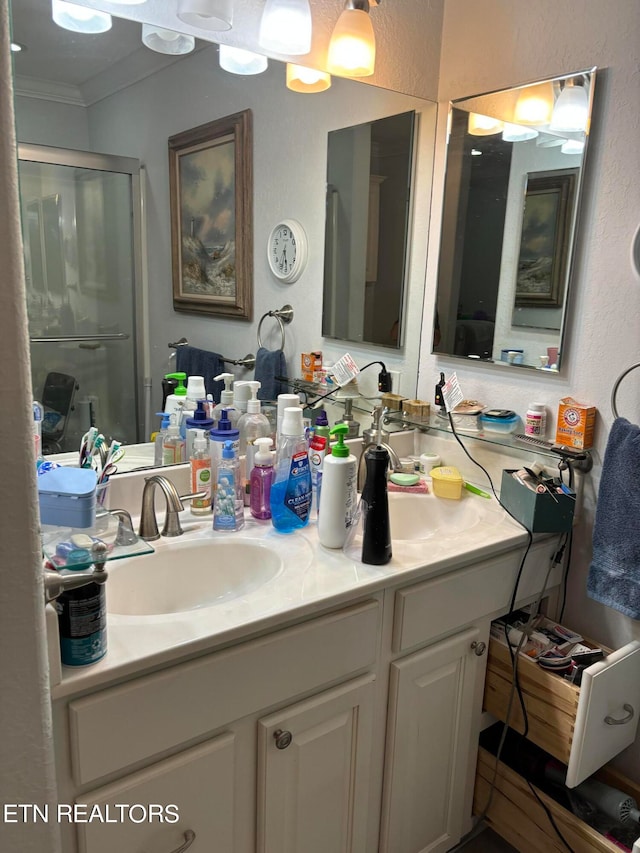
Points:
(551, 702)
(518, 817)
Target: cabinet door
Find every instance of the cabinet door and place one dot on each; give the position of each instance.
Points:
(432, 713)
(313, 763)
(198, 783)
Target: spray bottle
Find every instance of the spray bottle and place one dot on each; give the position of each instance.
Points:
(226, 400)
(200, 462)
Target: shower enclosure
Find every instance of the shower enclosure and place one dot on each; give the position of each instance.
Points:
(81, 223)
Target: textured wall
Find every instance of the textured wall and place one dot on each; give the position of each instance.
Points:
(493, 44)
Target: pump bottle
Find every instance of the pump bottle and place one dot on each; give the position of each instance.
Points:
(224, 431)
(338, 496)
(261, 479)
(291, 489)
(195, 392)
(175, 402)
(228, 501)
(197, 420)
(200, 463)
(159, 441)
(173, 444)
(226, 400)
(251, 425)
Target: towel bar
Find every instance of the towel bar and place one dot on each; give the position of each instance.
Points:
(282, 315)
(248, 362)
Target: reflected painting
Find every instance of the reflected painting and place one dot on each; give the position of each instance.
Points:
(210, 179)
(544, 243)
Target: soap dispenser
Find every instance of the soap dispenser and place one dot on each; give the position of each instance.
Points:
(176, 401)
(338, 497)
(226, 400)
(228, 502)
(261, 479)
(251, 425)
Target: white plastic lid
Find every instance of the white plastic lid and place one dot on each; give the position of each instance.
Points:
(536, 407)
(226, 398)
(195, 388)
(253, 407)
(292, 421)
(262, 456)
(199, 442)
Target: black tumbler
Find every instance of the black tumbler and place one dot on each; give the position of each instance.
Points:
(376, 538)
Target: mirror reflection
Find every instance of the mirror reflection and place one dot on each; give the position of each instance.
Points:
(515, 161)
(125, 101)
(368, 196)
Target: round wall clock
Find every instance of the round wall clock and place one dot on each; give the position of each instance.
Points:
(287, 250)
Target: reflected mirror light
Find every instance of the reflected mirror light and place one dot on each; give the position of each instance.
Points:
(510, 221)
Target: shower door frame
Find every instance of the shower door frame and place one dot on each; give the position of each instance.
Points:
(76, 158)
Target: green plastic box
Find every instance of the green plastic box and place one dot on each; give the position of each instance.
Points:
(539, 513)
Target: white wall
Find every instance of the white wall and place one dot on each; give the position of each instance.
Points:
(289, 176)
(503, 44)
(42, 122)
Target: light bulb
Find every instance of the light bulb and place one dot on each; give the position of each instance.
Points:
(79, 19)
(216, 15)
(352, 50)
(306, 80)
(571, 110)
(285, 27)
(480, 125)
(515, 133)
(166, 41)
(534, 104)
(239, 61)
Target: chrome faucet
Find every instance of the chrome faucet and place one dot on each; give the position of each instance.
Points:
(373, 437)
(55, 583)
(148, 522)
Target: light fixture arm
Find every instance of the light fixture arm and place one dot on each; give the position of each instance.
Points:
(360, 5)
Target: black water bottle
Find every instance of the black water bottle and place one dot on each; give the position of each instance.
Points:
(376, 537)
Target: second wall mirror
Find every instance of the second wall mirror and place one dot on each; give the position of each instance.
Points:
(515, 162)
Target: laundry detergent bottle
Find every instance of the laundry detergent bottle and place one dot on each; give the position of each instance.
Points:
(291, 488)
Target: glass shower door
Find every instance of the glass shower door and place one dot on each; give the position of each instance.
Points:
(80, 215)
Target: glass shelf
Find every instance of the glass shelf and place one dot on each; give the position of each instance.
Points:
(315, 390)
(105, 529)
(440, 423)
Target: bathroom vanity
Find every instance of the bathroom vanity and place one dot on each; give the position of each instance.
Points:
(285, 698)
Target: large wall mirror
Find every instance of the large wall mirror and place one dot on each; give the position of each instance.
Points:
(369, 171)
(108, 93)
(515, 162)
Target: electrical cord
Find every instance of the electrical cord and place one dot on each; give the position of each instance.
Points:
(515, 682)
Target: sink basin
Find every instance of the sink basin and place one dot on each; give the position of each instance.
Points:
(189, 575)
(418, 517)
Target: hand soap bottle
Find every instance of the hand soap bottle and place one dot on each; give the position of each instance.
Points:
(261, 479)
(173, 446)
(226, 400)
(176, 401)
(338, 495)
(291, 489)
(251, 425)
(228, 502)
(200, 463)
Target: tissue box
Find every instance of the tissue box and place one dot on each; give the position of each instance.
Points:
(539, 512)
(67, 497)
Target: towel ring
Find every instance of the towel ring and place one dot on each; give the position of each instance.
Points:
(283, 315)
(614, 392)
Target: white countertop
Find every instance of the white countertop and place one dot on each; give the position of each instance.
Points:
(312, 579)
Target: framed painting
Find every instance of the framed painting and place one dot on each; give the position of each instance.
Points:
(210, 180)
(545, 239)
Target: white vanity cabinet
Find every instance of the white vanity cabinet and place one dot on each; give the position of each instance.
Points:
(352, 731)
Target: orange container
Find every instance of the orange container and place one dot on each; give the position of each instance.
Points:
(575, 424)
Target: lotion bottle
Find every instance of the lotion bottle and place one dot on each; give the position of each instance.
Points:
(261, 479)
(176, 401)
(338, 496)
(226, 400)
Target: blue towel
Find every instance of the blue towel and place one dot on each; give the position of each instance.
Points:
(200, 362)
(269, 364)
(614, 574)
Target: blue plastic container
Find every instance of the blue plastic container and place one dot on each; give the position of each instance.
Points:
(68, 497)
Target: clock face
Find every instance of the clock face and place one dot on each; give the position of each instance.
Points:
(287, 250)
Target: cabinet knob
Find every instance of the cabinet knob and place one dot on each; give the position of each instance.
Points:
(479, 647)
(282, 739)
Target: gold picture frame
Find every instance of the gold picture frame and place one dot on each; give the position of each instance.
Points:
(211, 189)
